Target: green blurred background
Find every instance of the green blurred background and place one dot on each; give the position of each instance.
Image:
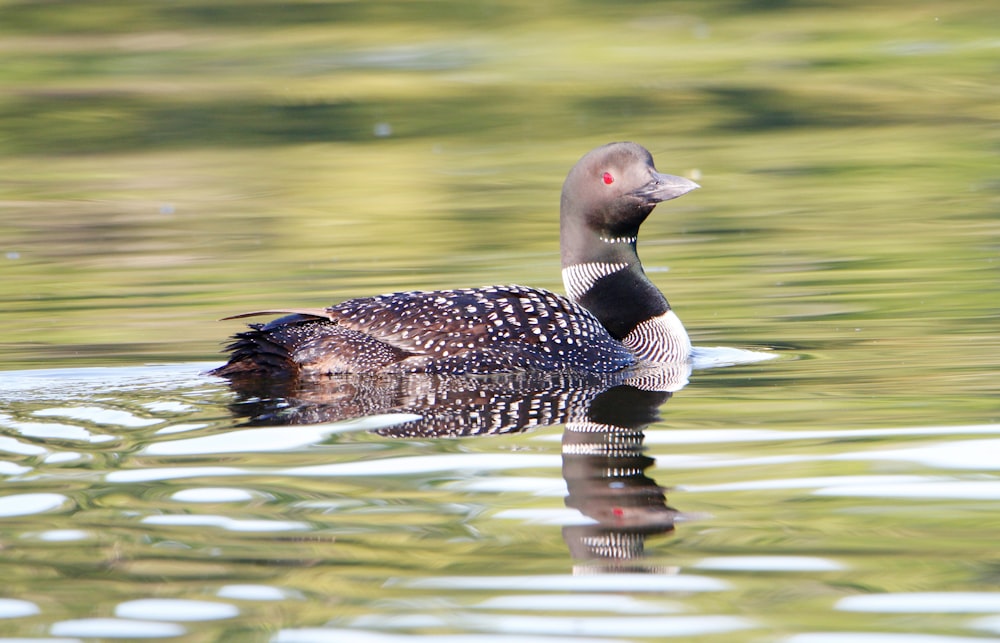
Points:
(163, 164)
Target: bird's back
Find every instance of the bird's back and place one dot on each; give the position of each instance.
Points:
(472, 330)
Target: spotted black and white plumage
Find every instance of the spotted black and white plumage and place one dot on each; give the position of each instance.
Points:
(471, 330)
(614, 317)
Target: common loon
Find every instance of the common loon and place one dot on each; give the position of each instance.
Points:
(613, 316)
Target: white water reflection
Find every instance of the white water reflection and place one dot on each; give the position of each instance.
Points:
(930, 489)
(553, 625)
(923, 602)
(256, 593)
(769, 564)
(61, 535)
(80, 383)
(128, 476)
(454, 463)
(963, 454)
(16, 608)
(578, 583)
(53, 431)
(99, 415)
(534, 485)
(11, 469)
(271, 439)
(213, 494)
(174, 609)
(116, 628)
(721, 436)
(64, 457)
(879, 637)
(546, 516)
(572, 602)
(337, 635)
(26, 504)
(888, 486)
(988, 623)
(10, 445)
(703, 357)
(224, 522)
(805, 483)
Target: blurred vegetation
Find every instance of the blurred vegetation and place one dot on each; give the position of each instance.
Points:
(165, 164)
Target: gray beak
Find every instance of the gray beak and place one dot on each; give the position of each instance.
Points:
(664, 187)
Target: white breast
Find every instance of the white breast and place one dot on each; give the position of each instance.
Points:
(660, 339)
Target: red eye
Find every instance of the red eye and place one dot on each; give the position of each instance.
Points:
(608, 179)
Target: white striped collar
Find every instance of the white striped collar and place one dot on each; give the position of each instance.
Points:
(580, 278)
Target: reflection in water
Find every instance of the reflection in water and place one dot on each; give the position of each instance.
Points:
(604, 418)
(604, 469)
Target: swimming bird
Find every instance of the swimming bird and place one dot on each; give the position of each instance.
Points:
(612, 317)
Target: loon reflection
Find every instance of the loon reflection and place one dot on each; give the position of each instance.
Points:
(602, 446)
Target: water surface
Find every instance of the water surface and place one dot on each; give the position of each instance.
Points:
(166, 165)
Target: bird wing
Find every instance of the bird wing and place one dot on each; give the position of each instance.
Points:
(442, 323)
(322, 313)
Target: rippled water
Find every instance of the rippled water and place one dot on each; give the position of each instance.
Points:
(167, 164)
(149, 502)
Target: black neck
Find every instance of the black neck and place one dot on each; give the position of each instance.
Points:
(623, 298)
